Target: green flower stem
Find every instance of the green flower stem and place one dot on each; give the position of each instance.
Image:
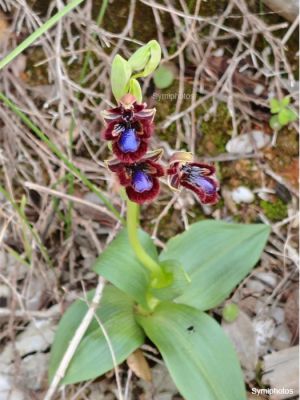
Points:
(132, 227)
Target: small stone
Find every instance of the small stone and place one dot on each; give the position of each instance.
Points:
(258, 90)
(248, 142)
(269, 278)
(242, 194)
(255, 286)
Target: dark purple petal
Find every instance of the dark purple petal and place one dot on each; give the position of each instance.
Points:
(141, 181)
(198, 177)
(202, 168)
(146, 196)
(139, 178)
(205, 184)
(129, 141)
(204, 197)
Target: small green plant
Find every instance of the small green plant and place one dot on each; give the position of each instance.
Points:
(275, 211)
(283, 113)
(163, 296)
(230, 312)
(163, 77)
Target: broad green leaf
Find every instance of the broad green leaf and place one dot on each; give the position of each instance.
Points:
(163, 77)
(275, 106)
(135, 89)
(119, 265)
(93, 357)
(120, 75)
(274, 122)
(198, 354)
(176, 282)
(217, 256)
(285, 101)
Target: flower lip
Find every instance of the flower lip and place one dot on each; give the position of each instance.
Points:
(128, 141)
(129, 126)
(197, 177)
(140, 178)
(141, 181)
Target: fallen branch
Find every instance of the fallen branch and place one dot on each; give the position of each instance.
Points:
(61, 370)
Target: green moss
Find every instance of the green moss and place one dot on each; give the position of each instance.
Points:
(288, 142)
(36, 75)
(215, 132)
(166, 100)
(237, 218)
(283, 155)
(275, 211)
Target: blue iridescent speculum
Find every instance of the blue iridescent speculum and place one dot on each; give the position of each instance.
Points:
(129, 142)
(141, 181)
(195, 177)
(204, 183)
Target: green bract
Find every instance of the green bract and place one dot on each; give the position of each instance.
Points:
(143, 62)
(120, 76)
(146, 59)
(177, 281)
(135, 89)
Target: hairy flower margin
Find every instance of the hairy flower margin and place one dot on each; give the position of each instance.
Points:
(140, 178)
(129, 127)
(195, 176)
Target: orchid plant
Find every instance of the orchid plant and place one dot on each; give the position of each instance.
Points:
(161, 296)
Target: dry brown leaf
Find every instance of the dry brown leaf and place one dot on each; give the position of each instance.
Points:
(255, 397)
(291, 173)
(3, 27)
(241, 332)
(281, 371)
(291, 314)
(139, 365)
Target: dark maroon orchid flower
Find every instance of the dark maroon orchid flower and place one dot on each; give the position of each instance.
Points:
(141, 178)
(129, 126)
(196, 176)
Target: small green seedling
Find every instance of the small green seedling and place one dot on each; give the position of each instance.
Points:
(163, 77)
(230, 312)
(283, 113)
